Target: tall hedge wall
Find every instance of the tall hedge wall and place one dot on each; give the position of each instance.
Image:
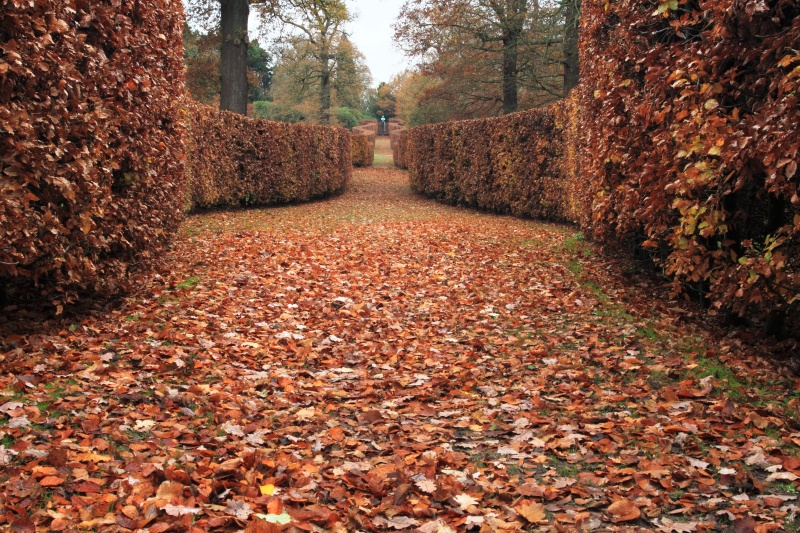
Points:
(90, 141)
(398, 139)
(363, 144)
(682, 140)
(693, 121)
(511, 164)
(233, 160)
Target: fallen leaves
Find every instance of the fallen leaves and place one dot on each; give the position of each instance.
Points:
(445, 380)
(623, 510)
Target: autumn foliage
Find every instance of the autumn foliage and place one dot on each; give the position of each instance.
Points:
(511, 164)
(398, 138)
(682, 142)
(363, 143)
(90, 142)
(234, 160)
(693, 122)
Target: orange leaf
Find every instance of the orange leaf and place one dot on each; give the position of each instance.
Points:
(623, 511)
(336, 433)
(533, 512)
(51, 481)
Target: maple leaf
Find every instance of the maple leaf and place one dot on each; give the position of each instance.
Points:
(623, 510)
(19, 422)
(6, 455)
(437, 526)
(306, 413)
(281, 519)
(670, 526)
(180, 510)
(396, 522)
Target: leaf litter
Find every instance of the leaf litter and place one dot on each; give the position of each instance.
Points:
(378, 362)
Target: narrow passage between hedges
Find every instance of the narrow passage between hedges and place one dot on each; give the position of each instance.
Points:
(380, 362)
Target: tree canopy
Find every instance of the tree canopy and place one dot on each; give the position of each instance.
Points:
(485, 57)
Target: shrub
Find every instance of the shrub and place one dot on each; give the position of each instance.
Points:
(363, 148)
(399, 142)
(345, 117)
(234, 160)
(271, 111)
(692, 118)
(91, 142)
(510, 164)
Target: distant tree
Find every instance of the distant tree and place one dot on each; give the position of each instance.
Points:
(259, 72)
(314, 28)
(572, 12)
(491, 55)
(229, 18)
(299, 74)
(385, 101)
(415, 104)
(202, 59)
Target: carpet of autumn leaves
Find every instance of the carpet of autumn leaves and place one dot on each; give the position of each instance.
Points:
(378, 362)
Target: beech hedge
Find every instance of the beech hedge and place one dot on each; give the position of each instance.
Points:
(233, 160)
(398, 140)
(364, 144)
(510, 164)
(691, 114)
(681, 141)
(91, 142)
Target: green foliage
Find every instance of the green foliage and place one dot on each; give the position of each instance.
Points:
(272, 111)
(346, 117)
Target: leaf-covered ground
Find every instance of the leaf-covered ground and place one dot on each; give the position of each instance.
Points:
(378, 362)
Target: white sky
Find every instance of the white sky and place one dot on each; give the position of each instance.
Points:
(372, 33)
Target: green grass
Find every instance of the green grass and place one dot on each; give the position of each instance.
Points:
(575, 266)
(577, 244)
(383, 159)
(188, 284)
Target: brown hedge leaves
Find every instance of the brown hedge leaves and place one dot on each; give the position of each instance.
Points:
(363, 148)
(693, 129)
(234, 160)
(510, 164)
(90, 141)
(682, 139)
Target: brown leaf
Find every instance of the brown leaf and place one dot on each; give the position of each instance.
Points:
(533, 512)
(51, 481)
(623, 510)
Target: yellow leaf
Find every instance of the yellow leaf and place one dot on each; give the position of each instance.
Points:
(267, 490)
(715, 150)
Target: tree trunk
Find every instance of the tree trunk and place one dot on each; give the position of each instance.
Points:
(233, 56)
(510, 57)
(572, 11)
(325, 88)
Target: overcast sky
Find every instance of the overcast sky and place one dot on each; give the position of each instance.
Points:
(371, 32)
